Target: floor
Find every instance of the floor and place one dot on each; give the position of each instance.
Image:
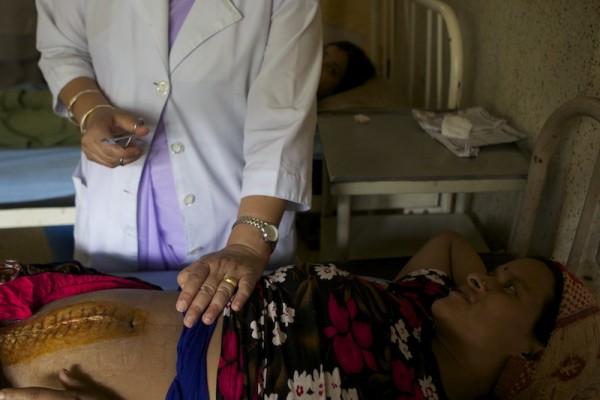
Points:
(30, 245)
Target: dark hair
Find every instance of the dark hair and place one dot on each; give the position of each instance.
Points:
(547, 321)
(360, 69)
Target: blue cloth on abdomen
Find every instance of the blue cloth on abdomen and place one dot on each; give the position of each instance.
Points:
(191, 382)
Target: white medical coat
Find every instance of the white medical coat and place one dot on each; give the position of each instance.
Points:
(237, 96)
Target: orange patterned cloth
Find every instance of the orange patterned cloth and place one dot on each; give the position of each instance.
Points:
(569, 367)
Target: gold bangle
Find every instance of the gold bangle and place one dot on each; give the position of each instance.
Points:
(74, 99)
(89, 112)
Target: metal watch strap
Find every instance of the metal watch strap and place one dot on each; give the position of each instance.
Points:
(262, 226)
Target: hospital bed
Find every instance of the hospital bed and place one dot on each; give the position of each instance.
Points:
(37, 186)
(38, 154)
(417, 49)
(37, 196)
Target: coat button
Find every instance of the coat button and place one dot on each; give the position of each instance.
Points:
(189, 199)
(196, 250)
(162, 87)
(177, 148)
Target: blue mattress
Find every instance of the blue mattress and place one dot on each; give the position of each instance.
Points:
(37, 175)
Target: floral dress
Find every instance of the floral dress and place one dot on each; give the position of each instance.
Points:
(317, 332)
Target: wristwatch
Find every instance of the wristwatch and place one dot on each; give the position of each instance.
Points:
(269, 232)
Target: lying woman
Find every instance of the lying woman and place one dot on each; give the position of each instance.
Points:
(445, 328)
(344, 67)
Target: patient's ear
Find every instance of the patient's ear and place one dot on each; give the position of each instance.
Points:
(535, 352)
(531, 356)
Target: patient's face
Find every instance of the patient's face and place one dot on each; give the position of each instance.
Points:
(498, 309)
(335, 64)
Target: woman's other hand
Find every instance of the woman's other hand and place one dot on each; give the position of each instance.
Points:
(98, 120)
(209, 283)
(109, 123)
(74, 389)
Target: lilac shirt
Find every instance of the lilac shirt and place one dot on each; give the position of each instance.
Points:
(161, 234)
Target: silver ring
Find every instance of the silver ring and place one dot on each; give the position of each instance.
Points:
(121, 162)
(138, 123)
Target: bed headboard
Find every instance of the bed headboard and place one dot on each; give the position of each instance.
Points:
(586, 243)
(419, 48)
(416, 47)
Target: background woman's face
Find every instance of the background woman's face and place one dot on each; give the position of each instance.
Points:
(335, 64)
(498, 309)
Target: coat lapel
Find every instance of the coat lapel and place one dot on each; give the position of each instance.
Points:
(155, 14)
(206, 17)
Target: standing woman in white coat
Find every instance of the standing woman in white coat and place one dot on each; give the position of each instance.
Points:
(220, 95)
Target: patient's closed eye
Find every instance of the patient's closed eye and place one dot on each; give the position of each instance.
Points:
(510, 286)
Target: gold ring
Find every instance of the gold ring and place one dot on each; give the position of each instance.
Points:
(231, 280)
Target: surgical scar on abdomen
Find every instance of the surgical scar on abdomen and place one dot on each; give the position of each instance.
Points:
(74, 325)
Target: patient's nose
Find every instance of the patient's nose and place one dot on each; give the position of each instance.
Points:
(477, 281)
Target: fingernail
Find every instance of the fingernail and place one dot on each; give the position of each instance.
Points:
(189, 321)
(207, 319)
(181, 306)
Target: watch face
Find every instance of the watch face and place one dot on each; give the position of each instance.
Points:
(272, 234)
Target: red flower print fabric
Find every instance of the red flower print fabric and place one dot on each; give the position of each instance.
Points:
(316, 332)
(351, 339)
